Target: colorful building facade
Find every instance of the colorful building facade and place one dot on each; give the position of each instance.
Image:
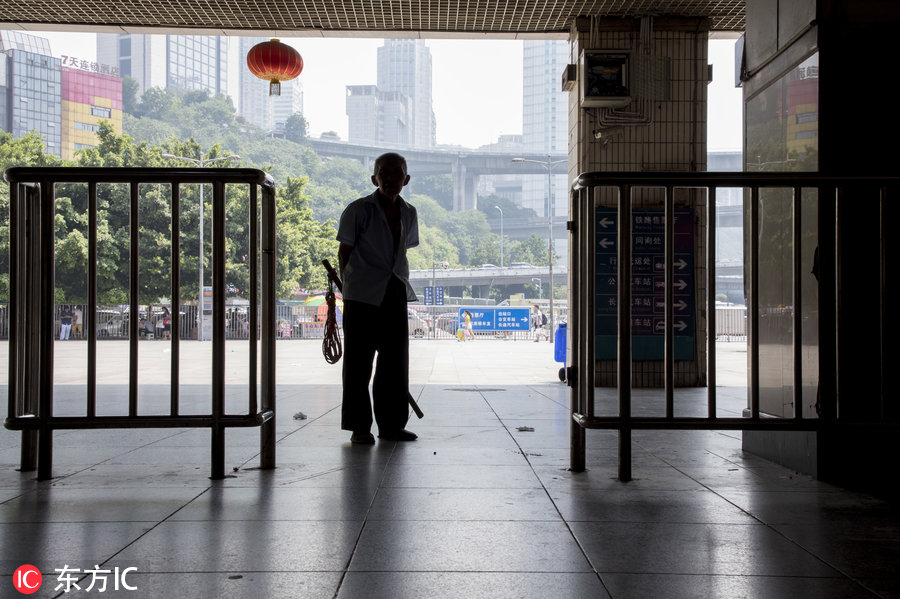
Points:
(87, 99)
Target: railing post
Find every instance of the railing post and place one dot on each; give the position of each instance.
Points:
(582, 219)
(669, 354)
(711, 223)
(797, 313)
(218, 354)
(624, 354)
(47, 324)
(268, 249)
(753, 309)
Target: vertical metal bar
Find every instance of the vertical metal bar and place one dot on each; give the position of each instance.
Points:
(253, 223)
(797, 312)
(175, 261)
(753, 312)
(268, 251)
(574, 330)
(882, 299)
(589, 272)
(12, 314)
(31, 328)
(838, 265)
(47, 325)
(218, 365)
(670, 302)
(134, 262)
(827, 224)
(90, 317)
(624, 354)
(711, 222)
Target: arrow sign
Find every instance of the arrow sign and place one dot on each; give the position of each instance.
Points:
(680, 264)
(606, 243)
(678, 326)
(605, 222)
(680, 284)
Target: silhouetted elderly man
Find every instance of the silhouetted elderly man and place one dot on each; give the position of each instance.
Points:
(375, 232)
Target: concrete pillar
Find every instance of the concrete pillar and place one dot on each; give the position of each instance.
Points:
(662, 128)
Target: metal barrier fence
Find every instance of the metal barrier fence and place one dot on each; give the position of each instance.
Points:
(33, 316)
(617, 191)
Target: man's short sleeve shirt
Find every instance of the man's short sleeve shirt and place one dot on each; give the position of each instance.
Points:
(372, 262)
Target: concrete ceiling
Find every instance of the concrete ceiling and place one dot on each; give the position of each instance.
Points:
(351, 18)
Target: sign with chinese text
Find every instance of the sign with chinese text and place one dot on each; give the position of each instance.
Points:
(648, 284)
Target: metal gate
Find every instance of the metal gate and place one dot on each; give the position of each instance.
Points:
(32, 311)
(618, 190)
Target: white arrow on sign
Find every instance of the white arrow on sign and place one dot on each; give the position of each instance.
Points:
(605, 222)
(606, 243)
(680, 263)
(678, 326)
(680, 284)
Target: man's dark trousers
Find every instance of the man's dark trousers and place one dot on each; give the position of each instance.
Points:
(383, 329)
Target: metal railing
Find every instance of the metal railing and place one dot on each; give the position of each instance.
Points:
(591, 191)
(32, 312)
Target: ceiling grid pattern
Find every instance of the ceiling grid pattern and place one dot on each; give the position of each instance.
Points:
(429, 18)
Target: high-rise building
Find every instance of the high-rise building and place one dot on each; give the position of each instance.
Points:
(404, 65)
(545, 117)
(177, 62)
(31, 88)
(256, 105)
(398, 110)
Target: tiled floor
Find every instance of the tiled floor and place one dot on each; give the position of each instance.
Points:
(474, 508)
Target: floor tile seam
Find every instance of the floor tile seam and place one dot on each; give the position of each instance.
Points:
(572, 535)
(136, 539)
(370, 571)
(285, 436)
(364, 521)
(723, 575)
(775, 530)
(55, 479)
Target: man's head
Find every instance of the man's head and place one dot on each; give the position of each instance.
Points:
(390, 176)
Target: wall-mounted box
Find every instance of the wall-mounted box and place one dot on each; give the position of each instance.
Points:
(604, 79)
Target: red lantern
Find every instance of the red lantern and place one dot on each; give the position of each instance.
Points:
(274, 62)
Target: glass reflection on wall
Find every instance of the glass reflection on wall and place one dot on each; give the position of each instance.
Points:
(782, 132)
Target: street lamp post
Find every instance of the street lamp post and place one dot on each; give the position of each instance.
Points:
(201, 162)
(501, 235)
(548, 164)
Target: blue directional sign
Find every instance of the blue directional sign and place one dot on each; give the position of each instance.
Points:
(648, 284)
(497, 319)
(433, 296)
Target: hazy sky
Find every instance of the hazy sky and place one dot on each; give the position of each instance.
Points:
(477, 85)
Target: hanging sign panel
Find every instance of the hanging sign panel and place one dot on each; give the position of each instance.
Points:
(648, 284)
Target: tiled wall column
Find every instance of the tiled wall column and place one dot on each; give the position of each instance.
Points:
(663, 129)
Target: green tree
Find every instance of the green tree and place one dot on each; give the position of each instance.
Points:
(296, 128)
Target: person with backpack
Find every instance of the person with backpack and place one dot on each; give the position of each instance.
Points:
(538, 322)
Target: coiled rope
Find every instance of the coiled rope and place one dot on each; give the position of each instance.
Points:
(331, 344)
